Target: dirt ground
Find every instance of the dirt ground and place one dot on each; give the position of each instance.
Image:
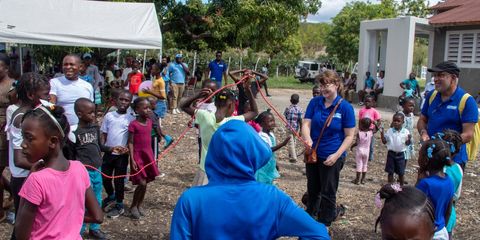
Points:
(357, 223)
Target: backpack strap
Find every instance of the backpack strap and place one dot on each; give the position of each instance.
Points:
(432, 97)
(463, 101)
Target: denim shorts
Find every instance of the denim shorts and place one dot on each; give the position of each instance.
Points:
(161, 108)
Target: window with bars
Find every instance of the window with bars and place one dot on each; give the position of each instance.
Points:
(463, 48)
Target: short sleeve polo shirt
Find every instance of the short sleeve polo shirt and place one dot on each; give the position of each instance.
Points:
(217, 69)
(334, 135)
(446, 115)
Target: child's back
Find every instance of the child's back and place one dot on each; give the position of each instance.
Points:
(60, 200)
(364, 140)
(440, 191)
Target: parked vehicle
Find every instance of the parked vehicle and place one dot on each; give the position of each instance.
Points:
(306, 71)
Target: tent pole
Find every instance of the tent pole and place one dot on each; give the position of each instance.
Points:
(144, 59)
(20, 52)
(118, 57)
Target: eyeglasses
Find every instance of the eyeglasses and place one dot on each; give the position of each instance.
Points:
(324, 86)
(441, 74)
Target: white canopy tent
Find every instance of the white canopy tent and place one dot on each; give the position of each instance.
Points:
(80, 23)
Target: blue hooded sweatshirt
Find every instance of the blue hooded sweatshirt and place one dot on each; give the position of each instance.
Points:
(233, 205)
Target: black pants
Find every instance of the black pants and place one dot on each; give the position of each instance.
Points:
(266, 87)
(115, 165)
(322, 185)
(16, 185)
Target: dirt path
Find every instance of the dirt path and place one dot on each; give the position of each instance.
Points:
(358, 222)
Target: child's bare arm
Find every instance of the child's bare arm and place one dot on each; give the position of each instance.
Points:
(158, 131)
(233, 75)
(133, 165)
(24, 220)
(382, 136)
(262, 76)
(101, 143)
(187, 105)
(93, 213)
(355, 143)
(275, 148)
(253, 104)
(409, 140)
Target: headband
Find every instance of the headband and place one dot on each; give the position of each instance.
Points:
(41, 107)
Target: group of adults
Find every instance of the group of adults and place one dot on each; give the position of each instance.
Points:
(329, 123)
(334, 135)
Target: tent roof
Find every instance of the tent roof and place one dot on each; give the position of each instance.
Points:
(80, 23)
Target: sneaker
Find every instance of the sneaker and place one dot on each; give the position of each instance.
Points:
(161, 175)
(107, 203)
(135, 214)
(293, 160)
(97, 234)
(168, 141)
(128, 188)
(116, 211)
(360, 104)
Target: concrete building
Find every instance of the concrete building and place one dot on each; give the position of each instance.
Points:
(453, 34)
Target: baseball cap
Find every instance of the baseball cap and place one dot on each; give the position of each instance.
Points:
(87, 55)
(179, 55)
(448, 67)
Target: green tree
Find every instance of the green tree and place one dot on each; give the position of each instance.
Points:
(343, 39)
(312, 36)
(417, 8)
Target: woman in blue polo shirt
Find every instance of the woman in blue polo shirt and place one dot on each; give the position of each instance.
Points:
(323, 176)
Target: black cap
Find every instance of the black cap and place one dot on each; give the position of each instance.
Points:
(448, 67)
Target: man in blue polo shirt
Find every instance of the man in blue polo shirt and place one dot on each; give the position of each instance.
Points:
(218, 70)
(178, 73)
(443, 111)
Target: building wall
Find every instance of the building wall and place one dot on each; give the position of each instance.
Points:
(469, 77)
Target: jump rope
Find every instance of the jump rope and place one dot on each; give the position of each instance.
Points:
(184, 132)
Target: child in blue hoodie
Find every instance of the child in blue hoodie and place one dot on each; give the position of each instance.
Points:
(253, 210)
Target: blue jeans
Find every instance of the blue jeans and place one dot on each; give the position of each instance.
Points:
(161, 108)
(96, 184)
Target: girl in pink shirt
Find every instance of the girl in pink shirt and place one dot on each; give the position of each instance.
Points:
(364, 138)
(57, 191)
(368, 111)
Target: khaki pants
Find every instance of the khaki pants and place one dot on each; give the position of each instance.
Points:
(292, 153)
(177, 94)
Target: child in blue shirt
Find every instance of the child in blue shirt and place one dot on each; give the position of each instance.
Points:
(454, 171)
(439, 188)
(269, 172)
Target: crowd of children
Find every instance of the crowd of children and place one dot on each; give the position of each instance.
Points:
(55, 196)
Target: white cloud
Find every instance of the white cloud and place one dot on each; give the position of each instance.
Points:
(330, 8)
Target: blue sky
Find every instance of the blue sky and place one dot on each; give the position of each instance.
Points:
(330, 8)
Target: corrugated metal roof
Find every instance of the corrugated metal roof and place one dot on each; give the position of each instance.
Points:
(456, 12)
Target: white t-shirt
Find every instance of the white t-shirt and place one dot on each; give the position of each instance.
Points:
(396, 139)
(210, 107)
(380, 82)
(125, 73)
(10, 110)
(68, 92)
(115, 125)
(14, 143)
